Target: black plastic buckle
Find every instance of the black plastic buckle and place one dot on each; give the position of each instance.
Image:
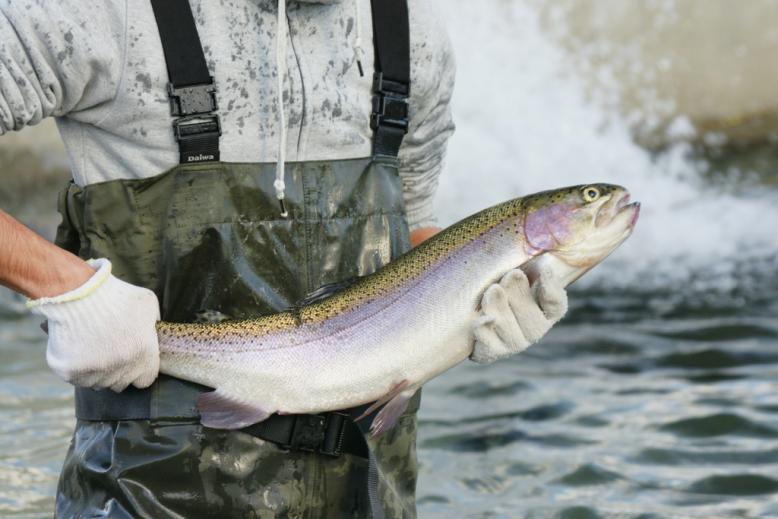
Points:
(390, 103)
(334, 434)
(386, 85)
(318, 433)
(193, 99)
(197, 126)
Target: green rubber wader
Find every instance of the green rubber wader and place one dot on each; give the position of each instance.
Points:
(208, 239)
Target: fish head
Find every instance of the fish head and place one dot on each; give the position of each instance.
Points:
(573, 229)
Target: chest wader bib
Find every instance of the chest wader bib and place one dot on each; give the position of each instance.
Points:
(207, 237)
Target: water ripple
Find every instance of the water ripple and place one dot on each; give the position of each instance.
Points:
(589, 474)
(703, 332)
(718, 424)
(735, 485)
(475, 442)
(680, 457)
(484, 389)
(713, 359)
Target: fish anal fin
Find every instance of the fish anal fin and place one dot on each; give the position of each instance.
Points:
(387, 417)
(221, 411)
(396, 390)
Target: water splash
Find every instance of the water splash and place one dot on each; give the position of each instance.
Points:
(526, 123)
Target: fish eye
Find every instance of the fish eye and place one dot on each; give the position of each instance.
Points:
(590, 193)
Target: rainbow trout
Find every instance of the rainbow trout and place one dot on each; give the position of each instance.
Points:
(384, 336)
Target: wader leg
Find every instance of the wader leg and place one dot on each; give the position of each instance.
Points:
(158, 470)
(396, 468)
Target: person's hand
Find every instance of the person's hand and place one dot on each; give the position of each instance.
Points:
(511, 319)
(102, 334)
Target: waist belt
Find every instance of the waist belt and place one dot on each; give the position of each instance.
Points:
(332, 433)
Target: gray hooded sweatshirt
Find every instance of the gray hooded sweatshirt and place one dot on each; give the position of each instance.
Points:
(98, 67)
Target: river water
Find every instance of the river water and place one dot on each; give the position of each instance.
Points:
(657, 394)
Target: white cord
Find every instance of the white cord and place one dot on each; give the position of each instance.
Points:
(279, 183)
(359, 52)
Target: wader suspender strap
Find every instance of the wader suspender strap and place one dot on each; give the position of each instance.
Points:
(392, 76)
(191, 89)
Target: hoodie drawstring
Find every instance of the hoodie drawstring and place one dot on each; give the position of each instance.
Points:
(281, 34)
(279, 183)
(359, 52)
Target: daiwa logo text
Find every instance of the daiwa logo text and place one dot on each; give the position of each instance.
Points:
(199, 158)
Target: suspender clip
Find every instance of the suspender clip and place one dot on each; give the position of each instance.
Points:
(198, 138)
(191, 127)
(390, 103)
(193, 99)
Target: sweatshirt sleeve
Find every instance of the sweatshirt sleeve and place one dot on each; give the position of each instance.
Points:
(58, 57)
(422, 153)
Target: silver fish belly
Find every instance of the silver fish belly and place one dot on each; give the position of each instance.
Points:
(397, 342)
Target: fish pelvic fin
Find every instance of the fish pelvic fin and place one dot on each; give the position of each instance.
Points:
(396, 390)
(219, 410)
(388, 416)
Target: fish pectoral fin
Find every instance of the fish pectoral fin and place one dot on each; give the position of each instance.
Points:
(221, 411)
(396, 390)
(391, 412)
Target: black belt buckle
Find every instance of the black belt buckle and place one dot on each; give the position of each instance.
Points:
(334, 434)
(322, 433)
(307, 432)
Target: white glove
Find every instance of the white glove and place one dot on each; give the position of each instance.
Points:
(102, 334)
(511, 319)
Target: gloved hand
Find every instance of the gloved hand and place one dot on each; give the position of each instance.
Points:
(511, 319)
(102, 334)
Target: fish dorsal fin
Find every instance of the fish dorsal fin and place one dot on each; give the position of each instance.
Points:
(325, 291)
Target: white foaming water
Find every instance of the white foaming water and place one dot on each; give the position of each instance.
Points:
(524, 125)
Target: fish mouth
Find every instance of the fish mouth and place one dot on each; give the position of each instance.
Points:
(623, 205)
(619, 208)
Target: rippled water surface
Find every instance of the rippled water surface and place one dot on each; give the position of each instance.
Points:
(620, 412)
(36, 416)
(657, 396)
